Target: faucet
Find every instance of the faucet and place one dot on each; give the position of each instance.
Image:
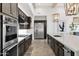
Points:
(62, 27)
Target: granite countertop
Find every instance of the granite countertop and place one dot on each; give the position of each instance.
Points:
(70, 41)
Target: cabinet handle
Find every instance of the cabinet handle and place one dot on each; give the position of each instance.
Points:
(67, 50)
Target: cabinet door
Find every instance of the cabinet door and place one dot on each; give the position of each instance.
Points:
(56, 50)
(53, 44)
(48, 39)
(21, 49)
(6, 8)
(26, 46)
(14, 10)
(61, 51)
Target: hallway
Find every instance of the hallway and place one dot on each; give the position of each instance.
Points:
(39, 48)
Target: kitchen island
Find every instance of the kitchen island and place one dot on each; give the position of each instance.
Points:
(24, 41)
(69, 41)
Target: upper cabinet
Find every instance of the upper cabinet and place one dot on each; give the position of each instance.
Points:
(24, 20)
(21, 16)
(9, 9)
(14, 9)
(6, 8)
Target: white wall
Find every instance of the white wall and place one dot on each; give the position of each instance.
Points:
(52, 27)
(40, 18)
(27, 9)
(49, 24)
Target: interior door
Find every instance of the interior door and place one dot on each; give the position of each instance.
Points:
(39, 29)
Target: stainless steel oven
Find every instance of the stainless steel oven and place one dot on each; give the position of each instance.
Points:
(9, 31)
(10, 51)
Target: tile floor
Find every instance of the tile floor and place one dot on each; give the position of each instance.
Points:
(39, 48)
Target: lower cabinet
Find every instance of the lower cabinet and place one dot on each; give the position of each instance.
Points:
(60, 51)
(53, 44)
(57, 47)
(27, 42)
(24, 45)
(56, 50)
(21, 48)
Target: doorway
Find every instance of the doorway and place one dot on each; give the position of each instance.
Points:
(40, 29)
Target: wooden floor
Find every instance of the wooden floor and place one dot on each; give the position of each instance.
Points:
(39, 48)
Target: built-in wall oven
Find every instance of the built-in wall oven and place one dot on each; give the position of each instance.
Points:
(9, 33)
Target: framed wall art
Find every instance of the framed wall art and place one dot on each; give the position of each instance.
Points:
(71, 8)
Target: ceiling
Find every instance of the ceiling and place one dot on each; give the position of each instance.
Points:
(45, 8)
(44, 5)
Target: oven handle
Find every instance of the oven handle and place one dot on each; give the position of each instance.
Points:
(10, 47)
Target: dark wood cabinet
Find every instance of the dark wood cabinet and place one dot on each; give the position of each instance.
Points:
(10, 9)
(14, 9)
(48, 39)
(57, 47)
(24, 20)
(56, 50)
(21, 16)
(28, 41)
(6, 8)
(61, 51)
(24, 45)
(53, 44)
(21, 48)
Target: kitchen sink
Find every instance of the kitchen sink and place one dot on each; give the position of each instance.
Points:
(57, 35)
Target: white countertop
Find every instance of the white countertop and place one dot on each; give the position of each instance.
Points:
(21, 38)
(70, 41)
